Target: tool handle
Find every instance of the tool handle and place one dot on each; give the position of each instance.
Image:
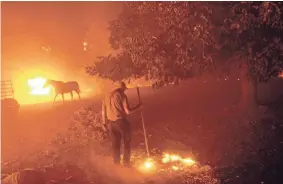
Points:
(145, 136)
(143, 126)
(138, 91)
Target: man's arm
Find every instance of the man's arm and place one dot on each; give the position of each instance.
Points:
(127, 108)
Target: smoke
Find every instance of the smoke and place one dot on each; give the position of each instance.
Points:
(46, 39)
(104, 167)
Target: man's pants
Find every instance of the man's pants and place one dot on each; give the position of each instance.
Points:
(119, 130)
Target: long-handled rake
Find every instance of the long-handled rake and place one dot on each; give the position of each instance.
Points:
(143, 125)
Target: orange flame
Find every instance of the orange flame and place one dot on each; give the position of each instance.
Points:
(147, 166)
(37, 86)
(173, 158)
(179, 163)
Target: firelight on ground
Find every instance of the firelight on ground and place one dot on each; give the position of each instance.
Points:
(174, 158)
(147, 166)
(179, 163)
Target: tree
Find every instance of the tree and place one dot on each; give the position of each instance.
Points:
(256, 42)
(185, 39)
(157, 39)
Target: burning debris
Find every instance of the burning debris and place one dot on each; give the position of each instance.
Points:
(37, 86)
(173, 168)
(148, 166)
(169, 162)
(85, 44)
(186, 162)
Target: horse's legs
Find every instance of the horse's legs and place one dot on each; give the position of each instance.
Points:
(78, 93)
(71, 95)
(63, 97)
(55, 97)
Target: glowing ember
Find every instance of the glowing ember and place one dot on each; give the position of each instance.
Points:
(171, 158)
(178, 163)
(85, 45)
(189, 161)
(175, 168)
(176, 158)
(147, 166)
(37, 86)
(166, 159)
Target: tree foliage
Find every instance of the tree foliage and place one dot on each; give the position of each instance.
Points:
(256, 38)
(184, 39)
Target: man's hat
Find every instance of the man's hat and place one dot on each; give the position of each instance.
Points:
(122, 85)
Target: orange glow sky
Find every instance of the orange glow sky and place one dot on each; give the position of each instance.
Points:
(28, 28)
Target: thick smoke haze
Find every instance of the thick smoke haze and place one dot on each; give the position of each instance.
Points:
(46, 38)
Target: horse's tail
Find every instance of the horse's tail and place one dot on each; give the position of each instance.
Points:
(79, 90)
(78, 87)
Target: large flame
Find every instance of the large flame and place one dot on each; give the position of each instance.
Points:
(37, 86)
(28, 79)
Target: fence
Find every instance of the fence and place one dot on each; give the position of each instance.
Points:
(7, 90)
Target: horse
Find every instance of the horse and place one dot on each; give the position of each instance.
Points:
(63, 87)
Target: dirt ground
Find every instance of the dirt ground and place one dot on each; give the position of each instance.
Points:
(195, 117)
(38, 123)
(34, 126)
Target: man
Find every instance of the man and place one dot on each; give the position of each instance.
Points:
(115, 109)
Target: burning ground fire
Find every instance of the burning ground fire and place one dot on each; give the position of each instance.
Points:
(37, 86)
(175, 163)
